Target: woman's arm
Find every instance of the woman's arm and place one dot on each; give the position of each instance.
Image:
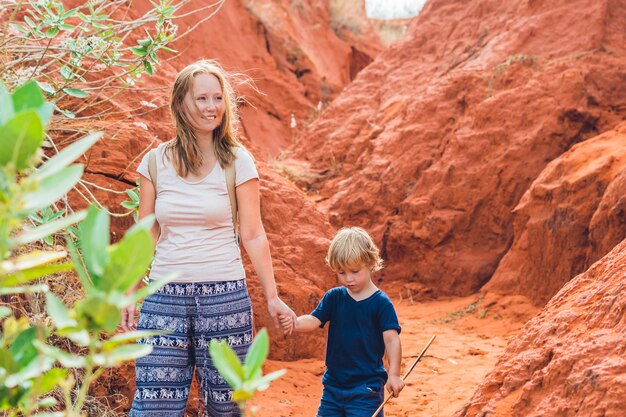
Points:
(147, 199)
(255, 242)
(394, 354)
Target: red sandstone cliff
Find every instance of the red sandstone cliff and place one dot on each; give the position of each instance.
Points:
(570, 360)
(572, 214)
(434, 144)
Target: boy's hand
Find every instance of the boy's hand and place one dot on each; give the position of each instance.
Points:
(286, 323)
(395, 384)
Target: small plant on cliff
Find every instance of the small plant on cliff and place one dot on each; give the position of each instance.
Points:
(107, 272)
(247, 378)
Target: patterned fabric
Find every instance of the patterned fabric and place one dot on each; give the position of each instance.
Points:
(193, 314)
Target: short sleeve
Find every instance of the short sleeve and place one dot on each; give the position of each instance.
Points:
(143, 166)
(388, 318)
(245, 170)
(323, 311)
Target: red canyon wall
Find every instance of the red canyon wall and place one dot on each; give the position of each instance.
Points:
(571, 215)
(570, 360)
(434, 144)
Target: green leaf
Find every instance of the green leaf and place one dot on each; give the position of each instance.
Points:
(151, 288)
(130, 337)
(77, 260)
(68, 155)
(29, 97)
(29, 22)
(165, 48)
(76, 92)
(66, 113)
(126, 353)
(133, 195)
(263, 383)
(80, 337)
(32, 235)
(50, 380)
(94, 242)
(242, 395)
(31, 260)
(66, 73)
(32, 274)
(6, 104)
(256, 354)
(129, 259)
(46, 402)
(20, 138)
(29, 289)
(4, 312)
(68, 14)
(22, 348)
(19, 27)
(52, 32)
(52, 188)
(139, 52)
(66, 359)
(148, 67)
(36, 367)
(98, 313)
(226, 362)
(46, 87)
(130, 205)
(58, 312)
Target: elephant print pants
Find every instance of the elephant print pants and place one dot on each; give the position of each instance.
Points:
(193, 314)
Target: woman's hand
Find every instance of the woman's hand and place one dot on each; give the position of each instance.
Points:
(277, 307)
(286, 323)
(128, 318)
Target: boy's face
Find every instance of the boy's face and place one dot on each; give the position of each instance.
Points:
(355, 278)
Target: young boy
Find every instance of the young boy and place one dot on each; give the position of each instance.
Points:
(363, 324)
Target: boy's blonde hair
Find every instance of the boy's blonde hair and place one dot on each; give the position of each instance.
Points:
(353, 246)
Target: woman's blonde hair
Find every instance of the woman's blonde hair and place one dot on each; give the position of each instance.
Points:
(187, 156)
(353, 246)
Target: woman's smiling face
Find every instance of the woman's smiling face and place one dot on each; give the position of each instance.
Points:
(204, 103)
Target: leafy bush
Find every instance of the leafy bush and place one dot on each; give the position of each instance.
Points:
(107, 272)
(247, 378)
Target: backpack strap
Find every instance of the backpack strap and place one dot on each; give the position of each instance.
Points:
(152, 168)
(230, 185)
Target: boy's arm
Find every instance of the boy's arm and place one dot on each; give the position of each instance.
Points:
(307, 323)
(394, 354)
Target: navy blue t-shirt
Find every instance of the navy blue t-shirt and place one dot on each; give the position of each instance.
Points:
(355, 346)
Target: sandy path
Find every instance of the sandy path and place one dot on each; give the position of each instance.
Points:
(469, 340)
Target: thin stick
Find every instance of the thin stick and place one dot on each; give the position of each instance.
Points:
(407, 373)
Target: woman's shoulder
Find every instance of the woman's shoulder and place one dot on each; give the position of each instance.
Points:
(241, 152)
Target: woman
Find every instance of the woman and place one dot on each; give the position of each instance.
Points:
(195, 237)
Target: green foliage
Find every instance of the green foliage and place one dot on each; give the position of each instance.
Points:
(29, 191)
(247, 378)
(133, 203)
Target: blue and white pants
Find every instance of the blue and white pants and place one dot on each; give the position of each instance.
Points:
(194, 314)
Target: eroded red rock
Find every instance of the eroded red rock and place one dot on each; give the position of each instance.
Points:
(573, 213)
(433, 145)
(568, 360)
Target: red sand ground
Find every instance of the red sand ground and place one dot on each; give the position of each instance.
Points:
(465, 350)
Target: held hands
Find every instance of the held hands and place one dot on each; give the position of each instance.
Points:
(277, 308)
(395, 384)
(287, 324)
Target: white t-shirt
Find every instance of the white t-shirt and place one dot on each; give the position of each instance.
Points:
(197, 240)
